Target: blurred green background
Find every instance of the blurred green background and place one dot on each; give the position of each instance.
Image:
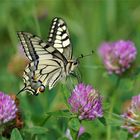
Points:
(90, 22)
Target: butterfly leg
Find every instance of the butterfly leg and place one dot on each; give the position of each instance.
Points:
(77, 75)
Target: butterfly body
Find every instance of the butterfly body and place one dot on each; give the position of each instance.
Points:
(50, 61)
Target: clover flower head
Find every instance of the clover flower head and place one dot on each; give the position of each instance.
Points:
(132, 117)
(86, 102)
(118, 56)
(8, 108)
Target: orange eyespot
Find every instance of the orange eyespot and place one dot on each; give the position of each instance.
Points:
(41, 89)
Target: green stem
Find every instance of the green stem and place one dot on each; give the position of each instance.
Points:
(111, 92)
(1, 129)
(66, 95)
(113, 97)
(45, 120)
(74, 134)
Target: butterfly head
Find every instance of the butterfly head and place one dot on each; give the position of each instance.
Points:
(72, 64)
(75, 63)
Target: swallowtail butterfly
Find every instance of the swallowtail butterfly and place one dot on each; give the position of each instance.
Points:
(50, 61)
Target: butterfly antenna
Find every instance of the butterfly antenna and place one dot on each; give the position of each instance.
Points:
(82, 56)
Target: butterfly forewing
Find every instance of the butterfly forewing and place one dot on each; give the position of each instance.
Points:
(32, 45)
(59, 38)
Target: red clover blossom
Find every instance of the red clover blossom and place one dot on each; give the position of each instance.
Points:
(132, 117)
(8, 108)
(86, 102)
(118, 56)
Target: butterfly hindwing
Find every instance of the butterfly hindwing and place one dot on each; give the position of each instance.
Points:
(38, 73)
(46, 64)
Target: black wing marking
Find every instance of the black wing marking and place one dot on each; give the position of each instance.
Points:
(33, 46)
(59, 38)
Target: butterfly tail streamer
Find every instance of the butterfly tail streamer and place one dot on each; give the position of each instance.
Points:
(21, 90)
